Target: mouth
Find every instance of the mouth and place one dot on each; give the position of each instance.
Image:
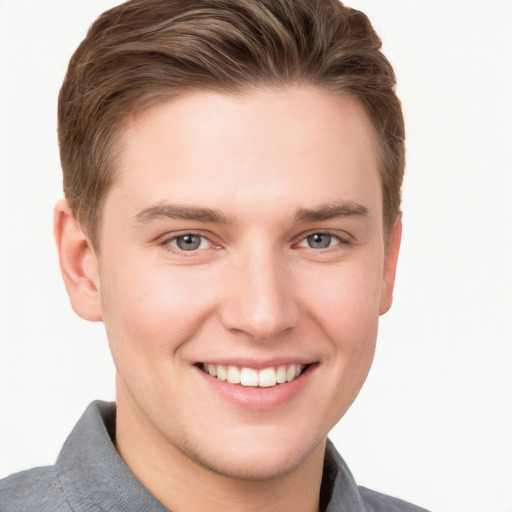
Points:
(251, 377)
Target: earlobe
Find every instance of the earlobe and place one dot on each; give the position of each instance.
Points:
(390, 262)
(78, 264)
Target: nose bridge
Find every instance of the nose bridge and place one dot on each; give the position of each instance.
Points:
(261, 301)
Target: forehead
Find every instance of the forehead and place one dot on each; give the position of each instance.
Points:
(294, 146)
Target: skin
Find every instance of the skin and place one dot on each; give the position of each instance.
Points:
(272, 167)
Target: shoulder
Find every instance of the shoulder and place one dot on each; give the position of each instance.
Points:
(34, 490)
(377, 502)
(344, 493)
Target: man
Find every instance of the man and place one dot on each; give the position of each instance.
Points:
(232, 173)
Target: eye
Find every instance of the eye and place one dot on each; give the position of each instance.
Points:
(189, 242)
(319, 241)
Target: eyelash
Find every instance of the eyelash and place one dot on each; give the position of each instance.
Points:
(168, 242)
(336, 236)
(171, 242)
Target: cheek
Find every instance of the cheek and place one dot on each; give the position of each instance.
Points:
(153, 311)
(346, 307)
(346, 302)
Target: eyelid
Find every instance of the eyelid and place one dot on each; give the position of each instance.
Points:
(165, 240)
(342, 236)
(174, 242)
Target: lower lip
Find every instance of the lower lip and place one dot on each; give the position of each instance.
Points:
(257, 398)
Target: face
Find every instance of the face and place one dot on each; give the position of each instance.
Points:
(242, 271)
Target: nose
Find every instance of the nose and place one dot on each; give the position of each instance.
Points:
(260, 300)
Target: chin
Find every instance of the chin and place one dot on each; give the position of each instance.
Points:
(254, 460)
(249, 466)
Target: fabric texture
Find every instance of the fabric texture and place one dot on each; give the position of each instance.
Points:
(90, 476)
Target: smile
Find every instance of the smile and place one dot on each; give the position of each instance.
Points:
(264, 378)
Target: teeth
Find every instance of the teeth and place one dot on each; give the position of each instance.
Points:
(233, 374)
(281, 375)
(266, 378)
(291, 373)
(222, 374)
(248, 377)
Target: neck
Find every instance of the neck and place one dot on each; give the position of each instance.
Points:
(183, 485)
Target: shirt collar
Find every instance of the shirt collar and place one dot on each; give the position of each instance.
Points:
(91, 471)
(339, 490)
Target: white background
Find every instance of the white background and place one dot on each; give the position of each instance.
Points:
(434, 422)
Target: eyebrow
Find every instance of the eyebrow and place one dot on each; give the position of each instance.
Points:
(331, 211)
(303, 215)
(176, 211)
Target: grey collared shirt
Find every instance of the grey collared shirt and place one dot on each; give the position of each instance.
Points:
(89, 475)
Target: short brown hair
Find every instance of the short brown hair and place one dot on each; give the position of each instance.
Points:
(145, 51)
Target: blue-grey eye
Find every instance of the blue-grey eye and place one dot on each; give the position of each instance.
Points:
(319, 240)
(188, 242)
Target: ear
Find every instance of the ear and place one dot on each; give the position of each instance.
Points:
(78, 264)
(390, 261)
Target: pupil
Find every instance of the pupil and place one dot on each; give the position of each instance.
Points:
(319, 241)
(188, 242)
